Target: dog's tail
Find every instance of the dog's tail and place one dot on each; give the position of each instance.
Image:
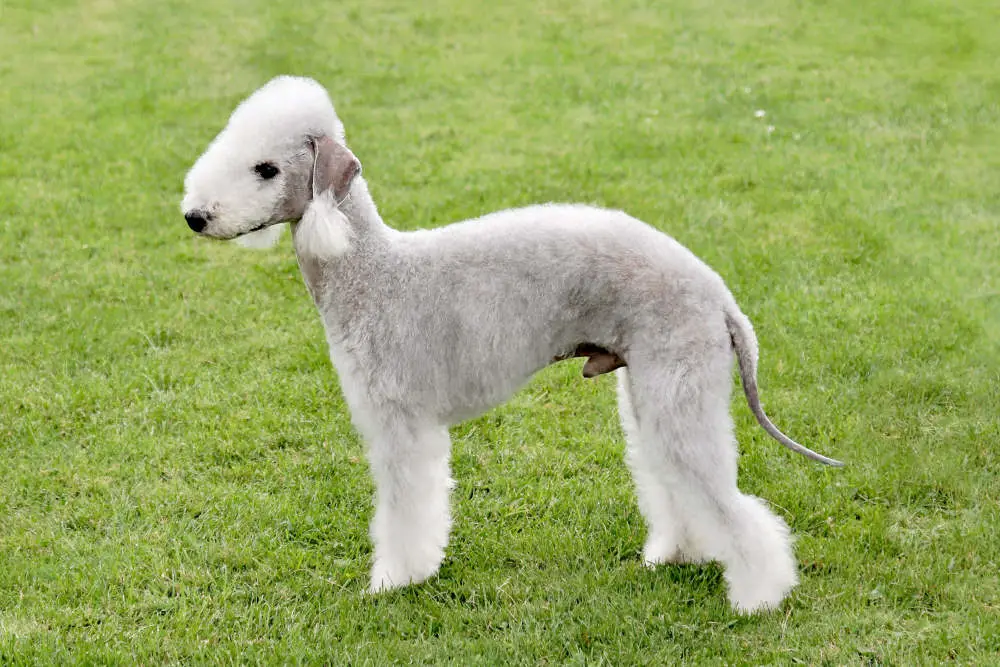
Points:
(745, 345)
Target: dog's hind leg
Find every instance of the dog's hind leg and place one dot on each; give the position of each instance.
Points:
(409, 462)
(665, 542)
(686, 440)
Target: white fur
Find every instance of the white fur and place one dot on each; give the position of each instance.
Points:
(324, 231)
(262, 239)
(431, 327)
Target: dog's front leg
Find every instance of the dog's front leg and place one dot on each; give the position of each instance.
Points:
(409, 462)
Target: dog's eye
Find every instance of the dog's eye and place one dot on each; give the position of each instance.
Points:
(266, 170)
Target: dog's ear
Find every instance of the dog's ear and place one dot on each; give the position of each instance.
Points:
(334, 167)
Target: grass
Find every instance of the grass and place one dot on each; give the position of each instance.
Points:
(180, 482)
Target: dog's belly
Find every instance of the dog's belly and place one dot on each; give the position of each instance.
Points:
(484, 391)
(474, 401)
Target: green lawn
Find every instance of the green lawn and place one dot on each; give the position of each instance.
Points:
(180, 481)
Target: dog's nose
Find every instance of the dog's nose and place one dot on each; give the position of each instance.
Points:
(196, 220)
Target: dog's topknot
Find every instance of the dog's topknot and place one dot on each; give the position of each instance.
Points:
(286, 107)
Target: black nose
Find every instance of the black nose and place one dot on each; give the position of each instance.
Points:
(196, 220)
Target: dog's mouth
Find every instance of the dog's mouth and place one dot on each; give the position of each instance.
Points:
(247, 231)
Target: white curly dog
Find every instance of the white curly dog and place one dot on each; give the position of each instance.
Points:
(431, 327)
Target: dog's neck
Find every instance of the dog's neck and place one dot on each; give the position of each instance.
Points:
(366, 223)
(343, 273)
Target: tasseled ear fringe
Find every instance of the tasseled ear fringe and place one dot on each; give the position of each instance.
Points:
(324, 231)
(263, 239)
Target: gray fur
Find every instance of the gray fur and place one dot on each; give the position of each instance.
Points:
(432, 327)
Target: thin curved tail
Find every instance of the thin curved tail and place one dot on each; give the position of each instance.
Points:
(745, 345)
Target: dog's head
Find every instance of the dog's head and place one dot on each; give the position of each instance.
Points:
(282, 147)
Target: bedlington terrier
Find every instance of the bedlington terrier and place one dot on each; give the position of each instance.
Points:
(431, 327)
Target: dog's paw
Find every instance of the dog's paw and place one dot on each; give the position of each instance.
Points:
(381, 582)
(666, 552)
(764, 589)
(387, 576)
(747, 600)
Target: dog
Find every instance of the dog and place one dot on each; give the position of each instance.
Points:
(431, 327)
